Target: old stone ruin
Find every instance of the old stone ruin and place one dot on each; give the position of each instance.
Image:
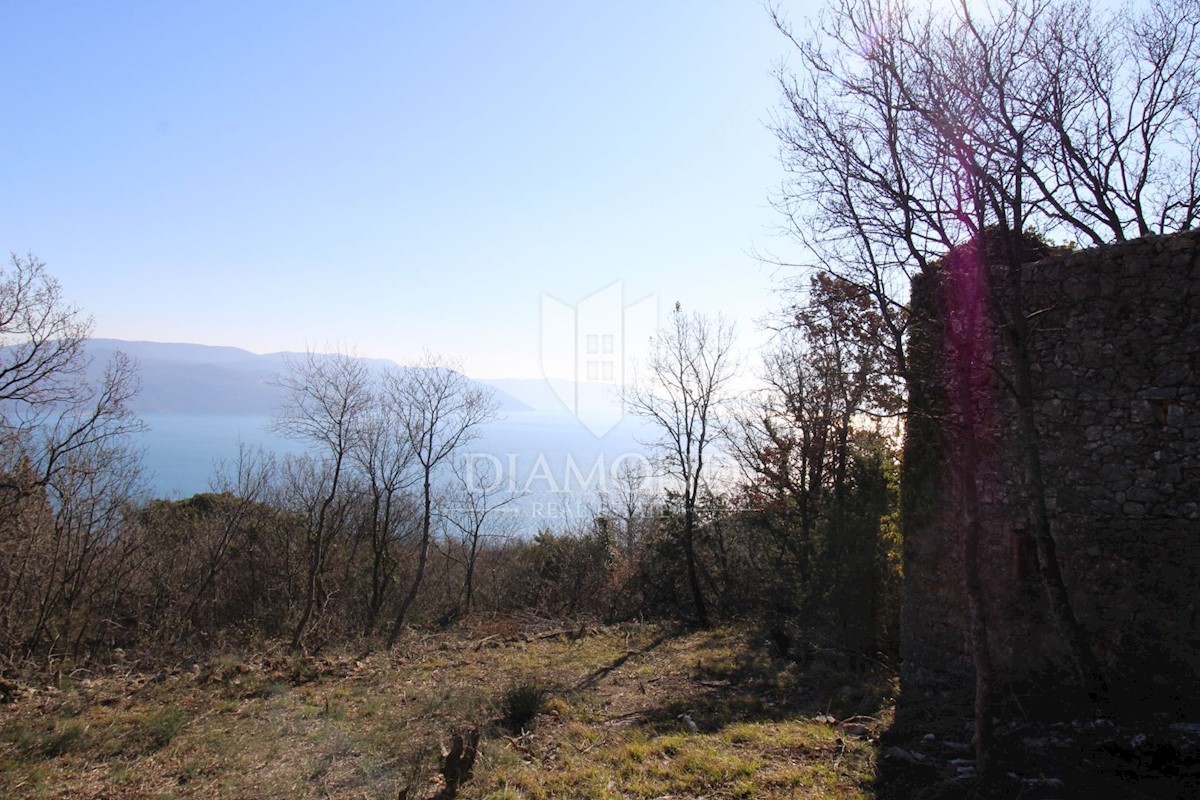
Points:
(1114, 353)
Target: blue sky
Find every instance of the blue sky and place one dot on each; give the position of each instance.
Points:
(387, 176)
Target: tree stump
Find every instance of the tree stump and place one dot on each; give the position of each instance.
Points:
(458, 762)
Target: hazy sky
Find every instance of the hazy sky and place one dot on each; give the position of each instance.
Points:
(388, 176)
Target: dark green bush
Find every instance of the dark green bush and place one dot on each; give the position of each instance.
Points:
(520, 705)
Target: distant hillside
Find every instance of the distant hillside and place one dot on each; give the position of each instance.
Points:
(200, 402)
(201, 379)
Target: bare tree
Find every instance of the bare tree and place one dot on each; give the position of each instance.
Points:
(328, 397)
(244, 481)
(440, 411)
(630, 503)
(384, 456)
(42, 359)
(628, 498)
(49, 408)
(67, 469)
(910, 132)
(477, 511)
(681, 392)
(92, 493)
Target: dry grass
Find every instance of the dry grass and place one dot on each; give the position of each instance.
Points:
(630, 712)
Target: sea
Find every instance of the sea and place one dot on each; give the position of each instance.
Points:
(544, 468)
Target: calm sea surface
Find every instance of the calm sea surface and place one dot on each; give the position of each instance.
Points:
(550, 464)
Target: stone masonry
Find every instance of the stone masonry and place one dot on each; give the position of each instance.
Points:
(1115, 340)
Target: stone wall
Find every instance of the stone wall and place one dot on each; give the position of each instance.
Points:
(1115, 340)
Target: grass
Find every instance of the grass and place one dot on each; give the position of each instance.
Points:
(605, 715)
(520, 705)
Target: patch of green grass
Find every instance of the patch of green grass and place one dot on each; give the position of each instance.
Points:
(273, 689)
(38, 738)
(637, 752)
(162, 726)
(799, 734)
(63, 740)
(558, 707)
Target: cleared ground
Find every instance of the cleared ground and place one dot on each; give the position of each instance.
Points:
(638, 711)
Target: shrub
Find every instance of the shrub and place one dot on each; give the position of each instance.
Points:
(520, 705)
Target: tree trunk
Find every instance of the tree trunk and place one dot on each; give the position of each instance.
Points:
(1083, 661)
(981, 656)
(310, 590)
(693, 574)
(968, 335)
(316, 557)
(469, 580)
(422, 560)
